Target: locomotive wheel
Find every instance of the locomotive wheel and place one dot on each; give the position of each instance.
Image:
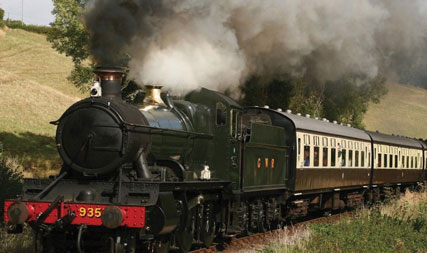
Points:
(185, 234)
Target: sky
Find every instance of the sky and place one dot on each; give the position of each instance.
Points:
(36, 12)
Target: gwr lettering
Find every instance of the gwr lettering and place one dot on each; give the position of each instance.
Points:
(267, 162)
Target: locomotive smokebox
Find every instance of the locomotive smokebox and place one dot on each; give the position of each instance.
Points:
(111, 81)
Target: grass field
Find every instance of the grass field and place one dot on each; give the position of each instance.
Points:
(402, 111)
(33, 91)
(399, 226)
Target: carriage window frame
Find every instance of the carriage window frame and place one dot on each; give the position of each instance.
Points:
(369, 159)
(407, 162)
(350, 158)
(356, 158)
(362, 160)
(396, 161)
(379, 160)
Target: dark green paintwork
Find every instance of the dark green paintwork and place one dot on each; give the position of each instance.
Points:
(214, 115)
(264, 158)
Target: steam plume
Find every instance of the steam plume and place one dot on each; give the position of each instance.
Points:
(220, 43)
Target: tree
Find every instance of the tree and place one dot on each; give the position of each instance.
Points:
(70, 37)
(1, 18)
(345, 100)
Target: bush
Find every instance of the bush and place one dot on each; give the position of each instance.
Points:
(16, 24)
(1, 18)
(10, 180)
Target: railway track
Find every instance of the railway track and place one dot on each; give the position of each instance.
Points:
(259, 238)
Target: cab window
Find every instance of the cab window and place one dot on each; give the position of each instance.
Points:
(221, 114)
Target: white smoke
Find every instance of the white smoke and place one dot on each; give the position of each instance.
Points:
(220, 43)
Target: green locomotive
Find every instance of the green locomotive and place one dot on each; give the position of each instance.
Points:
(179, 174)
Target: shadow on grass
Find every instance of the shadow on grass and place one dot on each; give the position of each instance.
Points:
(32, 151)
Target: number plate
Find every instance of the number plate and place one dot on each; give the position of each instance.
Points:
(90, 212)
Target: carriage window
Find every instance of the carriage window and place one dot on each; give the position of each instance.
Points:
(407, 161)
(403, 161)
(379, 161)
(299, 146)
(325, 157)
(333, 154)
(356, 159)
(391, 161)
(362, 160)
(306, 155)
(416, 162)
(412, 162)
(343, 157)
(385, 160)
(316, 156)
(350, 158)
(395, 161)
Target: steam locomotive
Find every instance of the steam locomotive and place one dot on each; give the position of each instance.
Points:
(178, 174)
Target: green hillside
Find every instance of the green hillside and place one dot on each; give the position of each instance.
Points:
(33, 91)
(402, 111)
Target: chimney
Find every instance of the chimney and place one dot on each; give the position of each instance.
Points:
(152, 98)
(111, 81)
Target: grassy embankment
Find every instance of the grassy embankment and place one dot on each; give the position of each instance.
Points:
(400, 226)
(402, 111)
(33, 91)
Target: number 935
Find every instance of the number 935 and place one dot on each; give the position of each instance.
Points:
(90, 212)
